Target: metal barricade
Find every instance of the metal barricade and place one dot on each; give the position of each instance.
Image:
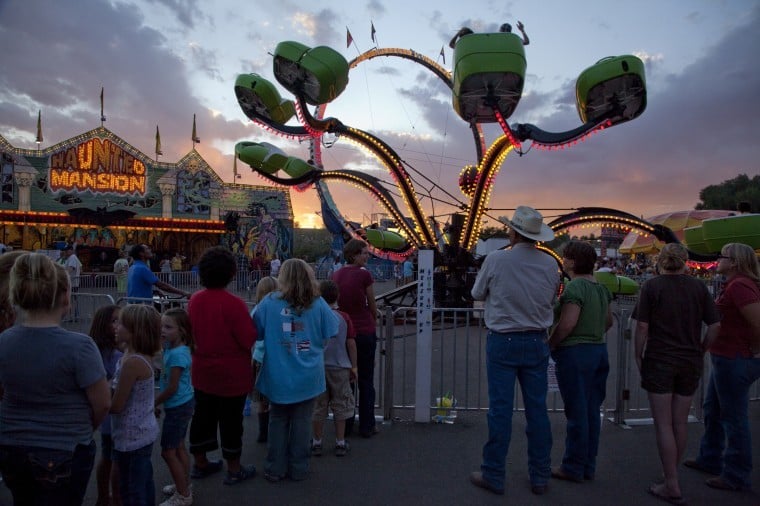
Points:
(83, 308)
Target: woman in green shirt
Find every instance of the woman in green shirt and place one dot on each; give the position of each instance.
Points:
(582, 365)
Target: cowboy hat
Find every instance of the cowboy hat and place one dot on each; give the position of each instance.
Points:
(529, 223)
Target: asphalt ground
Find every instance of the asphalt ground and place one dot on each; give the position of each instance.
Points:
(429, 464)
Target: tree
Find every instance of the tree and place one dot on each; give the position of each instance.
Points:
(729, 193)
(311, 244)
(489, 232)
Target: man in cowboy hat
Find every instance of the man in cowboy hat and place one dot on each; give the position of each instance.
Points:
(519, 287)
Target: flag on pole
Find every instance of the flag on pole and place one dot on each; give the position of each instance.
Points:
(158, 143)
(102, 115)
(195, 135)
(443, 55)
(39, 127)
(349, 38)
(373, 32)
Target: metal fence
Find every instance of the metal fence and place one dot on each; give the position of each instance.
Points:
(458, 366)
(457, 354)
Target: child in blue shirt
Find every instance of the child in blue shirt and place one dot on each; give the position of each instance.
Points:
(177, 398)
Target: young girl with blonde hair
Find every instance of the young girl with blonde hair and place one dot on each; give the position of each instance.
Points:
(177, 397)
(134, 425)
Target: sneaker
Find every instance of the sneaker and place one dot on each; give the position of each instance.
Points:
(171, 489)
(316, 449)
(178, 500)
(242, 475)
(342, 450)
(201, 472)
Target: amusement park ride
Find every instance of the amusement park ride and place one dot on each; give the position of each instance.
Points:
(486, 83)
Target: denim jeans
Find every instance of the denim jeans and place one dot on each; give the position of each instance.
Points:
(521, 356)
(366, 345)
(582, 371)
(136, 476)
(288, 450)
(44, 476)
(726, 446)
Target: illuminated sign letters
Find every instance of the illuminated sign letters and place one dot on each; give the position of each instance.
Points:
(98, 166)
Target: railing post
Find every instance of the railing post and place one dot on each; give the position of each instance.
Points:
(424, 356)
(388, 388)
(623, 337)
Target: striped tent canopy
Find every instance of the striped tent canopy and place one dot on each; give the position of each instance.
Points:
(676, 221)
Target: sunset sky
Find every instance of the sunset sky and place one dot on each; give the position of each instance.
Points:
(161, 61)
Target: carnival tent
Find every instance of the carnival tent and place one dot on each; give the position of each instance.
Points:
(676, 221)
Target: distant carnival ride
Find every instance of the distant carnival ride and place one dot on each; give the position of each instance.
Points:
(486, 82)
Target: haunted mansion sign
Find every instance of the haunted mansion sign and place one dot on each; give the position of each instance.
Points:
(98, 166)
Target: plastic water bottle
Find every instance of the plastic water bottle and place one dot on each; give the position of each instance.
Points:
(247, 408)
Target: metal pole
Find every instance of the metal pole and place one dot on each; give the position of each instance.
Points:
(621, 393)
(423, 362)
(388, 389)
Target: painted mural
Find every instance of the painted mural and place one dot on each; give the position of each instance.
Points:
(99, 192)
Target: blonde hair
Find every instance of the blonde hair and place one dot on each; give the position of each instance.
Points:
(297, 283)
(673, 257)
(744, 258)
(7, 313)
(37, 283)
(144, 323)
(266, 285)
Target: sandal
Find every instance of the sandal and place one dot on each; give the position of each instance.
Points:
(559, 474)
(242, 475)
(663, 495)
(720, 484)
(201, 472)
(273, 478)
(694, 464)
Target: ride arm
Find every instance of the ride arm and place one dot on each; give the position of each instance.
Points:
(667, 236)
(528, 131)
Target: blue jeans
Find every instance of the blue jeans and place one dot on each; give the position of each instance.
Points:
(175, 426)
(726, 446)
(522, 356)
(582, 371)
(136, 476)
(44, 476)
(365, 361)
(288, 450)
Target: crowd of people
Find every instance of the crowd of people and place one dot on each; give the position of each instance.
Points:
(526, 325)
(304, 346)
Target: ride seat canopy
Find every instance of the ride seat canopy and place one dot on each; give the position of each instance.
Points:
(614, 88)
(259, 99)
(695, 240)
(319, 75)
(261, 156)
(744, 228)
(617, 285)
(385, 239)
(489, 70)
(295, 167)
